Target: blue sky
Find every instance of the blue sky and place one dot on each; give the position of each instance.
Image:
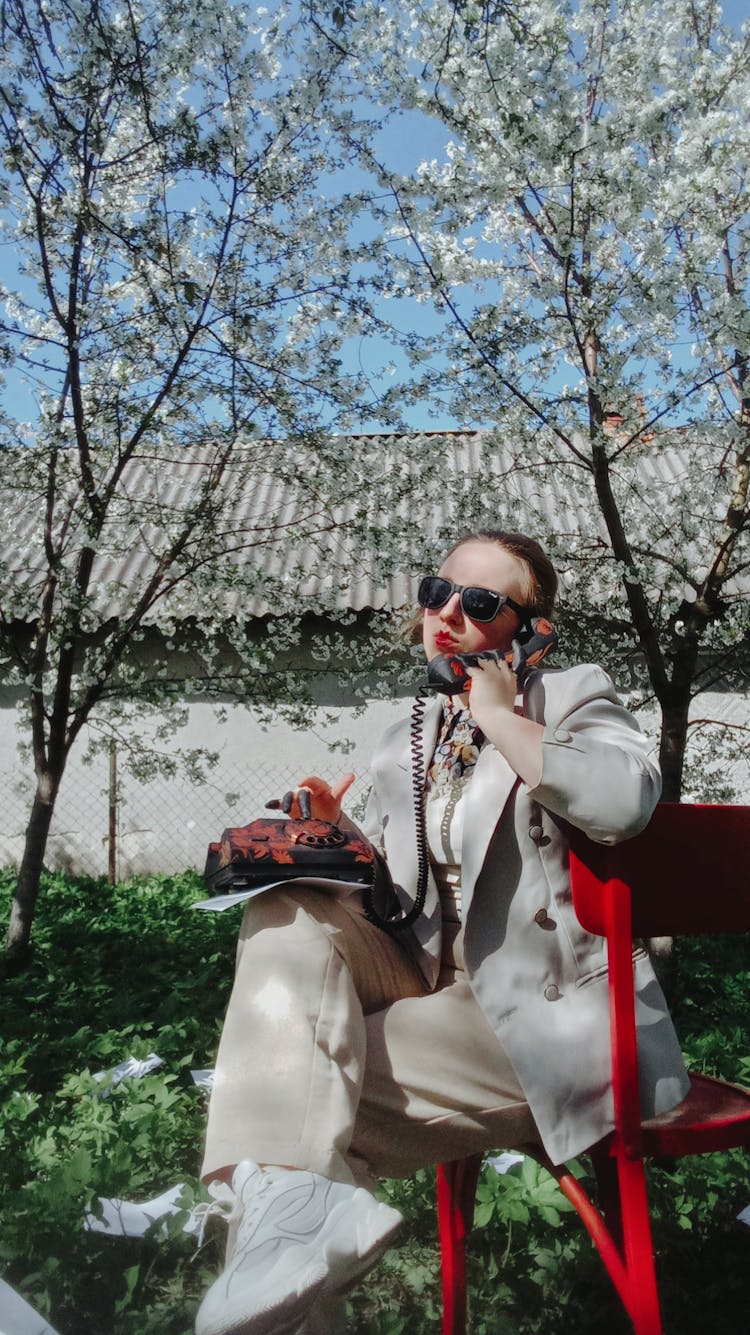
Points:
(405, 143)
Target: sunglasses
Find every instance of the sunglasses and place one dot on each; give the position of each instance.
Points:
(476, 603)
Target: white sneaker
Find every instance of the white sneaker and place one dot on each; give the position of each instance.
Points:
(299, 1236)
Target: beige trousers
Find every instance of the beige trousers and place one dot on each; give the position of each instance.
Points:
(334, 1056)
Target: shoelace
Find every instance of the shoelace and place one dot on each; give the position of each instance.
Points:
(224, 1203)
(255, 1206)
(230, 1206)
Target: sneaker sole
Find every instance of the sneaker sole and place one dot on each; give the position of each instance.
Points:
(279, 1318)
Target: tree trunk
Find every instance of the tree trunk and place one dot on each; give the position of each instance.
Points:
(30, 870)
(674, 732)
(672, 760)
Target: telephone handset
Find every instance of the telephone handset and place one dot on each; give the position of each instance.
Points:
(449, 676)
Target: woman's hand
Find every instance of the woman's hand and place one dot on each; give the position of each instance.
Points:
(314, 797)
(492, 698)
(493, 688)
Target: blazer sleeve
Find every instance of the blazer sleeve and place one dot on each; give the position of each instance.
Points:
(596, 770)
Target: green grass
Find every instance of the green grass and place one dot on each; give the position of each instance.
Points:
(132, 969)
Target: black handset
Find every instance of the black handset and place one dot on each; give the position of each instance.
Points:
(449, 676)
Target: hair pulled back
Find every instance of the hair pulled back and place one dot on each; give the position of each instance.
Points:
(540, 589)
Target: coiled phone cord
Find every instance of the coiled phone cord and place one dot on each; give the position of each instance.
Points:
(397, 924)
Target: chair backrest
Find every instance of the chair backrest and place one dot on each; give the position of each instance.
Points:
(688, 872)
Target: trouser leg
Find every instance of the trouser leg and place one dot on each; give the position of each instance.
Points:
(292, 1053)
(437, 1085)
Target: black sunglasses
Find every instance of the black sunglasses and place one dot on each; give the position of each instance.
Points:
(477, 604)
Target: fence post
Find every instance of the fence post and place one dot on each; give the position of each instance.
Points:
(112, 850)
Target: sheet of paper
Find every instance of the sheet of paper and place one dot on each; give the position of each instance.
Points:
(204, 1079)
(132, 1219)
(218, 903)
(133, 1068)
(502, 1163)
(17, 1317)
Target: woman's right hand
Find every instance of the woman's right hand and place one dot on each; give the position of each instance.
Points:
(314, 797)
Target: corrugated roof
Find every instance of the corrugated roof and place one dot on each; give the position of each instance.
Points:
(352, 535)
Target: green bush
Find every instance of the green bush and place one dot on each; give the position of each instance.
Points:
(132, 969)
(115, 972)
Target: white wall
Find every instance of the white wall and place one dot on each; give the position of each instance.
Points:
(166, 824)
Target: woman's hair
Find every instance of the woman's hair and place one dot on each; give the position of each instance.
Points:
(541, 578)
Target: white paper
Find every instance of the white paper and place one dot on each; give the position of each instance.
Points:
(17, 1317)
(132, 1068)
(130, 1219)
(505, 1161)
(203, 1079)
(218, 903)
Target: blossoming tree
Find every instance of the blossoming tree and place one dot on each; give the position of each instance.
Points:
(583, 235)
(181, 291)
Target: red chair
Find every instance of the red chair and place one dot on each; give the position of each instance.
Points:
(688, 873)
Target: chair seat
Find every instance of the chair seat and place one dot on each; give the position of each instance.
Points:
(714, 1115)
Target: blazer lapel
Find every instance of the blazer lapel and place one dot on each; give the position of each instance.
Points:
(487, 794)
(491, 785)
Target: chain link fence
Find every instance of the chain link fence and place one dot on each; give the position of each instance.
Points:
(107, 822)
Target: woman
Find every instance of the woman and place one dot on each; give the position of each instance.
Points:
(349, 1052)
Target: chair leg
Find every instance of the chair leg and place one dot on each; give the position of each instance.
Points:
(620, 1230)
(456, 1190)
(638, 1248)
(608, 1191)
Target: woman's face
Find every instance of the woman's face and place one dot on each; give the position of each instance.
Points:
(447, 630)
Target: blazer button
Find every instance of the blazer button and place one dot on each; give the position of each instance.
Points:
(540, 916)
(552, 992)
(536, 833)
(562, 735)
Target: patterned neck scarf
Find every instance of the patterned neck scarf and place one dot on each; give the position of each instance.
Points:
(457, 750)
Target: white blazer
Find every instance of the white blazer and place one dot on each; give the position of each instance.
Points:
(540, 979)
